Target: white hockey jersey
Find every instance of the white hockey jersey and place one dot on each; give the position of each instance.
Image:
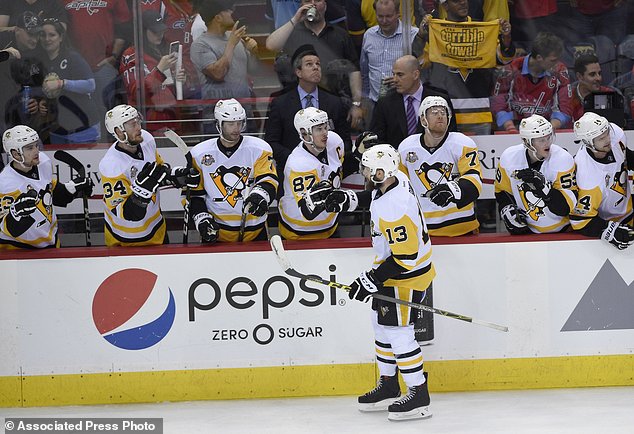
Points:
(302, 171)
(456, 158)
(118, 170)
(398, 229)
(604, 190)
(558, 168)
(227, 181)
(43, 231)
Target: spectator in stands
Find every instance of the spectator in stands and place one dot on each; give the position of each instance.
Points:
(395, 115)
(312, 169)
(224, 54)
(160, 75)
(537, 83)
(97, 30)
(280, 11)
(535, 184)
(71, 84)
(11, 11)
(362, 15)
(179, 17)
(601, 17)
(18, 44)
(604, 208)
(530, 18)
(382, 45)
(469, 88)
(481, 10)
(444, 171)
(279, 130)
(589, 80)
(336, 52)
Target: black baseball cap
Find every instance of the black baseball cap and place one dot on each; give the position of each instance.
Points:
(210, 8)
(303, 50)
(152, 20)
(29, 22)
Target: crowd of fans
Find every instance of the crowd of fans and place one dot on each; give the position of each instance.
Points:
(65, 63)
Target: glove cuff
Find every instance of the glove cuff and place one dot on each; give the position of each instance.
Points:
(201, 216)
(455, 189)
(141, 192)
(353, 200)
(261, 192)
(608, 233)
(368, 281)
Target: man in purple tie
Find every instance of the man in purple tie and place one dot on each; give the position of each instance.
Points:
(395, 115)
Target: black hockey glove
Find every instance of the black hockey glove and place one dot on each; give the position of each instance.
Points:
(364, 286)
(24, 204)
(257, 203)
(181, 177)
(80, 186)
(620, 236)
(534, 181)
(316, 196)
(514, 219)
(342, 201)
(443, 194)
(207, 227)
(148, 179)
(364, 141)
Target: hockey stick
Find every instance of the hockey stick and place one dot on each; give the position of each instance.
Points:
(78, 167)
(278, 249)
(243, 222)
(180, 144)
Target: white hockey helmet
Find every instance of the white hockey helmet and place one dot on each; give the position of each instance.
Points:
(119, 115)
(383, 157)
(308, 118)
(589, 127)
(433, 101)
(17, 138)
(535, 127)
(229, 110)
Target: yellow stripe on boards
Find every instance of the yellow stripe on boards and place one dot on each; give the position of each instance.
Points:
(319, 380)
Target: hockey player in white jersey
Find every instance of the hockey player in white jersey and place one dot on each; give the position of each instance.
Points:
(535, 185)
(29, 192)
(604, 207)
(402, 269)
(239, 177)
(311, 170)
(444, 170)
(131, 173)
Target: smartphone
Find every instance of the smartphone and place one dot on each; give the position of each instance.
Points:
(174, 47)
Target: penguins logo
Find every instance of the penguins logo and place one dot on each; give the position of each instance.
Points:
(620, 180)
(534, 205)
(231, 182)
(45, 202)
(433, 174)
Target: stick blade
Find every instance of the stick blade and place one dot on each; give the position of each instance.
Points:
(176, 140)
(280, 253)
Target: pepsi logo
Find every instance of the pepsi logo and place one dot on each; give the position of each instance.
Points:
(133, 310)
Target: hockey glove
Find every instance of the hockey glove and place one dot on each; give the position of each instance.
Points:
(80, 186)
(206, 227)
(364, 141)
(620, 236)
(534, 181)
(148, 179)
(257, 203)
(181, 177)
(514, 219)
(24, 204)
(316, 196)
(364, 286)
(443, 194)
(342, 201)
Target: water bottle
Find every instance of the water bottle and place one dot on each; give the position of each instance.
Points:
(311, 14)
(26, 96)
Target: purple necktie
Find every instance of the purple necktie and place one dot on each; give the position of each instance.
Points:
(411, 116)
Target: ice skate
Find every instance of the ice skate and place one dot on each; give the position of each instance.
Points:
(385, 393)
(414, 405)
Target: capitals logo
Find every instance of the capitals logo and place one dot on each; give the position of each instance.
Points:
(133, 310)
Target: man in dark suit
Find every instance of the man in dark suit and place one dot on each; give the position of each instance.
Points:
(279, 130)
(395, 115)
